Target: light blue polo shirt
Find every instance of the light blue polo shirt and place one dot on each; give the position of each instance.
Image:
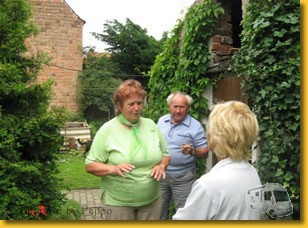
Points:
(189, 131)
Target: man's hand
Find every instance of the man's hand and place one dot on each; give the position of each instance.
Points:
(186, 149)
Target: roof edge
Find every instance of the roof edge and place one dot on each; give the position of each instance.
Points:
(70, 8)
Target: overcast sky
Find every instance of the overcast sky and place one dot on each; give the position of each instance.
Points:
(156, 16)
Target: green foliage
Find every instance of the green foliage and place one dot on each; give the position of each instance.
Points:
(12, 40)
(98, 82)
(185, 58)
(29, 134)
(269, 59)
(71, 210)
(130, 46)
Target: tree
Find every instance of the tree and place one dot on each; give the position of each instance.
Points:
(98, 81)
(269, 60)
(130, 46)
(29, 134)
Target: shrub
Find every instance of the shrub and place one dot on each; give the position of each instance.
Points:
(29, 133)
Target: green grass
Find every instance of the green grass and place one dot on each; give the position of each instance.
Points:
(72, 170)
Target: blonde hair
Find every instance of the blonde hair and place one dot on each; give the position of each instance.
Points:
(232, 129)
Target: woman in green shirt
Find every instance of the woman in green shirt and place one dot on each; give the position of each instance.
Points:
(130, 155)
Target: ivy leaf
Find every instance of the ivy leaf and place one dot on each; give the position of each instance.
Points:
(280, 33)
(288, 177)
(275, 159)
(279, 173)
(263, 93)
(285, 85)
(269, 133)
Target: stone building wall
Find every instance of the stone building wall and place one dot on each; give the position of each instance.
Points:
(60, 37)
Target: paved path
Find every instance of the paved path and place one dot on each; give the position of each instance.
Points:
(89, 200)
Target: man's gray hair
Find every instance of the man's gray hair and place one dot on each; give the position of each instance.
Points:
(188, 98)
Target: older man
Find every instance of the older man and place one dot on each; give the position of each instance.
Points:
(186, 141)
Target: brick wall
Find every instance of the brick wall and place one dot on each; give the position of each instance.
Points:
(61, 38)
(222, 43)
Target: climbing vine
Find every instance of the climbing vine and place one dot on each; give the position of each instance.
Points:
(183, 63)
(269, 59)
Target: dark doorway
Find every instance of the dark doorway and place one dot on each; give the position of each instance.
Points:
(236, 15)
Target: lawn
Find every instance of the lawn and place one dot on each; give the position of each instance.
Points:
(72, 170)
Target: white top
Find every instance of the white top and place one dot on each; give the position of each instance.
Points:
(221, 193)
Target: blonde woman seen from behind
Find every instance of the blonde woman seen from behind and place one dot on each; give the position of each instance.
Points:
(221, 193)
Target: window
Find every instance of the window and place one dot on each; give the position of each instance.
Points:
(267, 195)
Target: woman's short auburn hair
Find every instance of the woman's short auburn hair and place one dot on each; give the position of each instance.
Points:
(126, 89)
(232, 130)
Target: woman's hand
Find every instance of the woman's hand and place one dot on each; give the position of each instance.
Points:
(121, 169)
(159, 171)
(100, 169)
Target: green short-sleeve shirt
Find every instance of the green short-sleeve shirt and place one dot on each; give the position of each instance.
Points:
(111, 146)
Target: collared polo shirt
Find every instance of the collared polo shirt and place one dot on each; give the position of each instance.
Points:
(111, 146)
(189, 131)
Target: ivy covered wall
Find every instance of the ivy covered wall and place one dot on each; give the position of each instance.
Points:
(269, 63)
(269, 60)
